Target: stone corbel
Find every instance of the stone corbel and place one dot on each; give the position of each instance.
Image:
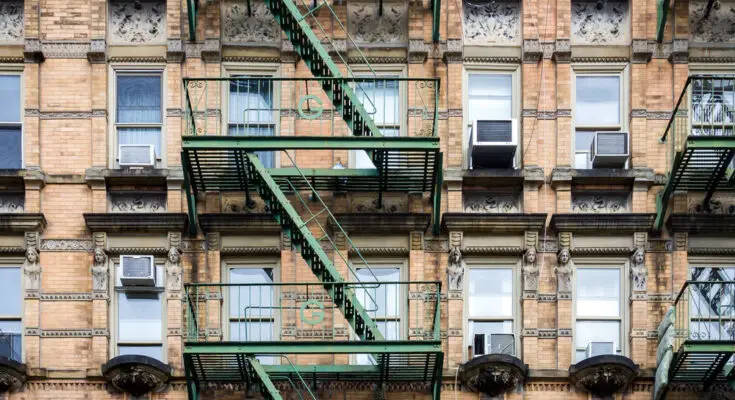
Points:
(95, 178)
(288, 54)
(97, 53)
(175, 50)
(175, 179)
(418, 51)
(680, 52)
(681, 241)
(32, 52)
(562, 51)
(34, 178)
(532, 52)
(337, 47)
(452, 53)
(212, 50)
(533, 177)
(641, 51)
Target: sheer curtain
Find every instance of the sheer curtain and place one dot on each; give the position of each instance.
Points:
(138, 105)
(250, 112)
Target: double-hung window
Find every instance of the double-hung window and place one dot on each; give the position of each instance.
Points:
(11, 126)
(11, 312)
(384, 300)
(381, 99)
(251, 311)
(598, 107)
(252, 111)
(713, 103)
(140, 322)
(139, 118)
(599, 308)
(490, 310)
(711, 303)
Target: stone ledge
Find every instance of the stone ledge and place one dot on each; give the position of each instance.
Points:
(493, 223)
(602, 223)
(142, 176)
(22, 222)
(379, 222)
(602, 176)
(714, 224)
(239, 223)
(136, 222)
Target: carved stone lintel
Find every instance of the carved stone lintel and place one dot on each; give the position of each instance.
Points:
(456, 269)
(137, 22)
(137, 202)
(599, 203)
(492, 23)
(97, 51)
(492, 202)
(366, 26)
(532, 52)
(175, 51)
(599, 22)
(564, 271)
(258, 27)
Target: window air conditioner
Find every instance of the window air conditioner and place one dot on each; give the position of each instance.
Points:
(493, 143)
(599, 348)
(136, 155)
(610, 149)
(499, 343)
(137, 271)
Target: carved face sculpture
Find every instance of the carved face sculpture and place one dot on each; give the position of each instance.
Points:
(564, 256)
(639, 257)
(455, 256)
(31, 255)
(99, 255)
(173, 255)
(530, 256)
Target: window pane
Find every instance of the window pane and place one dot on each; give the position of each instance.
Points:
(251, 331)
(390, 330)
(596, 331)
(150, 351)
(491, 292)
(139, 99)
(711, 299)
(10, 95)
(139, 316)
(490, 96)
(598, 292)
(251, 301)
(268, 158)
(11, 148)
(480, 336)
(713, 102)
(10, 296)
(381, 100)
(150, 136)
(384, 300)
(11, 340)
(251, 102)
(598, 101)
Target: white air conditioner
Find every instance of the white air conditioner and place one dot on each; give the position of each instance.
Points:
(498, 343)
(599, 348)
(137, 271)
(610, 149)
(136, 155)
(493, 143)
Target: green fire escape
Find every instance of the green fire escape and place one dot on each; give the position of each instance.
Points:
(299, 337)
(701, 141)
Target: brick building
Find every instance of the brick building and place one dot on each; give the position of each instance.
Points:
(366, 199)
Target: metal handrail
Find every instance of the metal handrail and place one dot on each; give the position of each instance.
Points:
(690, 282)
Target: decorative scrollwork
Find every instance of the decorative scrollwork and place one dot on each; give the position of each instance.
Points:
(600, 203)
(599, 21)
(713, 25)
(492, 202)
(141, 21)
(241, 26)
(11, 21)
(366, 26)
(137, 202)
(493, 22)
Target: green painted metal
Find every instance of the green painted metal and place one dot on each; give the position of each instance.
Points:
(192, 7)
(436, 19)
(315, 347)
(262, 143)
(662, 8)
(322, 172)
(190, 197)
(437, 194)
(268, 389)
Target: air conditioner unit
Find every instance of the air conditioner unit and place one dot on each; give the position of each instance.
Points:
(599, 348)
(493, 143)
(137, 271)
(498, 343)
(610, 149)
(136, 155)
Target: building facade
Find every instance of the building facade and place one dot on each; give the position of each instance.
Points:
(361, 199)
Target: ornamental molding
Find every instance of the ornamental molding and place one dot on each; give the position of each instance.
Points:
(84, 245)
(712, 60)
(65, 333)
(12, 202)
(193, 245)
(253, 59)
(494, 203)
(11, 60)
(494, 60)
(660, 245)
(529, 332)
(564, 332)
(377, 60)
(492, 23)
(548, 387)
(369, 204)
(65, 296)
(493, 250)
(713, 26)
(547, 333)
(174, 332)
(658, 115)
(11, 22)
(599, 21)
(12, 250)
(137, 202)
(366, 26)
(593, 251)
(251, 251)
(141, 60)
(65, 49)
(599, 60)
(599, 203)
(660, 297)
(706, 251)
(258, 27)
(721, 205)
(380, 251)
(156, 251)
(139, 22)
(546, 297)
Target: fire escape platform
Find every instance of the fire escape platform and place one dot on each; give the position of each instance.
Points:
(702, 362)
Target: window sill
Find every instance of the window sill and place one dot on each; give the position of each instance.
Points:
(610, 176)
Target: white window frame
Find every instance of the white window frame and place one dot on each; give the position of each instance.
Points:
(265, 70)
(159, 261)
(17, 262)
(612, 69)
(514, 71)
(621, 264)
(17, 70)
(703, 69)
(144, 70)
(251, 263)
(387, 71)
(493, 263)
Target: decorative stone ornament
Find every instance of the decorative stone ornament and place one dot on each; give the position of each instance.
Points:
(31, 264)
(603, 375)
(638, 270)
(493, 374)
(12, 375)
(492, 23)
(498, 203)
(455, 270)
(239, 26)
(530, 270)
(136, 374)
(564, 270)
(173, 269)
(100, 271)
(11, 21)
(139, 21)
(711, 22)
(367, 26)
(599, 21)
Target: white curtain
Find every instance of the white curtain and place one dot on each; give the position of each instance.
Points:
(139, 102)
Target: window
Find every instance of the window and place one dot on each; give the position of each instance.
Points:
(251, 111)
(11, 311)
(598, 328)
(140, 321)
(251, 312)
(11, 128)
(599, 106)
(385, 302)
(138, 118)
(491, 310)
(711, 304)
(713, 102)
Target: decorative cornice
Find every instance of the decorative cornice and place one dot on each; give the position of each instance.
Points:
(136, 222)
(11, 60)
(377, 60)
(239, 223)
(711, 224)
(712, 60)
(251, 251)
(711, 251)
(137, 250)
(65, 49)
(139, 60)
(594, 251)
(22, 222)
(598, 223)
(380, 222)
(84, 245)
(381, 251)
(493, 223)
(12, 250)
(546, 297)
(492, 250)
(252, 59)
(66, 296)
(493, 60)
(600, 59)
